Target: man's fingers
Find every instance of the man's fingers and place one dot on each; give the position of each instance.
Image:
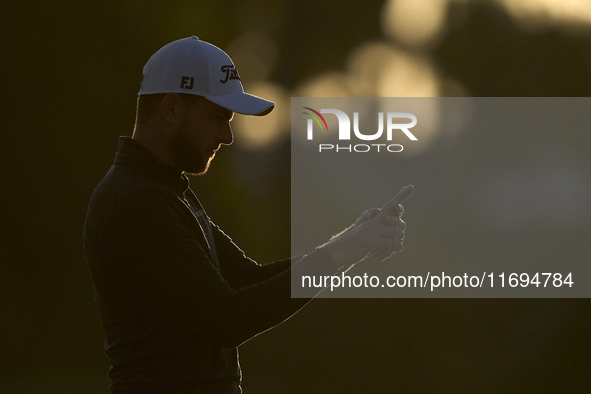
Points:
(366, 215)
(384, 248)
(393, 206)
(386, 235)
(394, 221)
(372, 212)
(401, 224)
(395, 235)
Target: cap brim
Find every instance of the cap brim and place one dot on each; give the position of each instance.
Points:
(243, 103)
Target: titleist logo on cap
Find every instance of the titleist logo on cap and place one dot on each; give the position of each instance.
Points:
(231, 73)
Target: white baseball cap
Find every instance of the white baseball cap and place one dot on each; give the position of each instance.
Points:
(197, 67)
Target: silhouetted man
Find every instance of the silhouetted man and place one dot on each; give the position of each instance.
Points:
(176, 296)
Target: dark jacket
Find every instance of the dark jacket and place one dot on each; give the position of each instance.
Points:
(172, 319)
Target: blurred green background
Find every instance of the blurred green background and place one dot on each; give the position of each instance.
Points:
(71, 72)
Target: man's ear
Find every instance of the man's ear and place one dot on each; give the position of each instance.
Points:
(172, 109)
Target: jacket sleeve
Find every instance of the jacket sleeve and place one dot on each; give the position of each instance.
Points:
(159, 261)
(240, 270)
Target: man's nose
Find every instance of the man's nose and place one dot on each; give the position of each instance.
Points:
(225, 136)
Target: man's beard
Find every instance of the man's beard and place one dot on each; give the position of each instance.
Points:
(187, 156)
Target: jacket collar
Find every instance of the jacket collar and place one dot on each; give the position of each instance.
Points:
(131, 153)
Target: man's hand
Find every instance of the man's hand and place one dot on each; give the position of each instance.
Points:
(377, 232)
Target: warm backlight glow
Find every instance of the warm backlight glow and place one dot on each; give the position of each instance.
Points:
(255, 132)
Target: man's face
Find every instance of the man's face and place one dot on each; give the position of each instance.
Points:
(205, 126)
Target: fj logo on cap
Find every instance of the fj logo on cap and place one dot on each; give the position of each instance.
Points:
(187, 82)
(231, 73)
